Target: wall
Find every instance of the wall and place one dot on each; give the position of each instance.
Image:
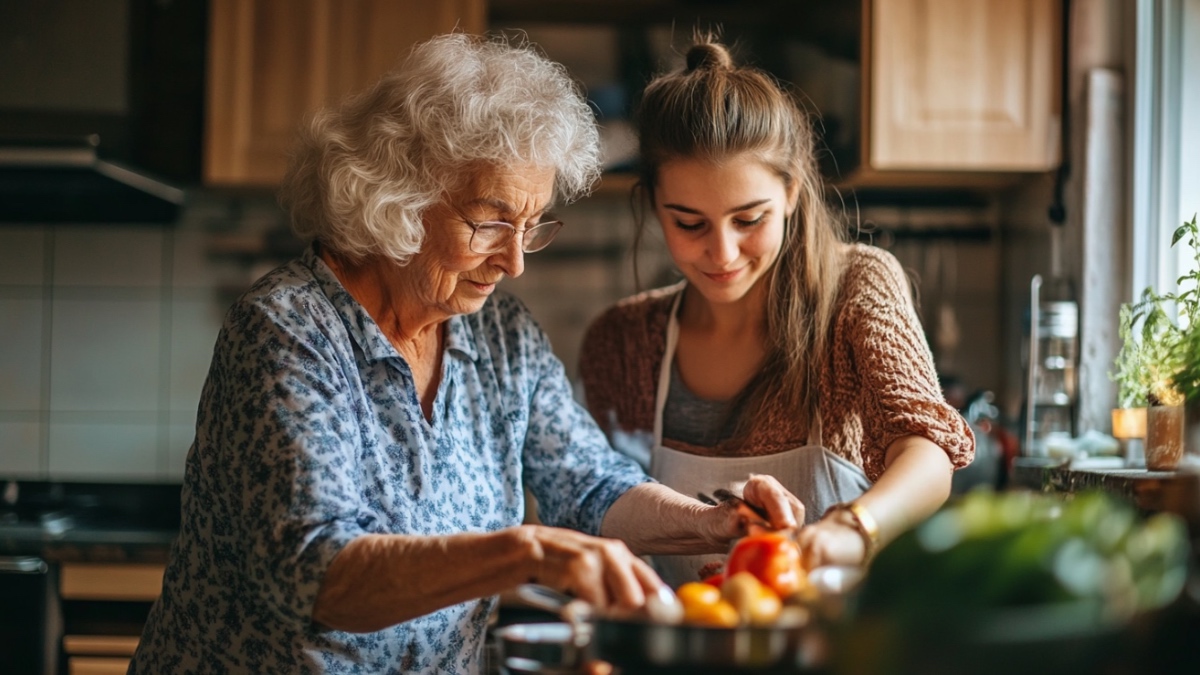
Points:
(106, 331)
(105, 338)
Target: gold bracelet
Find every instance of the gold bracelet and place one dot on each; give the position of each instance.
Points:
(866, 525)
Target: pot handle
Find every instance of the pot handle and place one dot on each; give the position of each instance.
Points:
(572, 610)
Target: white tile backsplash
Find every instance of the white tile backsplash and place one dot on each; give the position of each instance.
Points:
(22, 255)
(195, 321)
(92, 448)
(20, 349)
(108, 256)
(180, 434)
(20, 446)
(105, 354)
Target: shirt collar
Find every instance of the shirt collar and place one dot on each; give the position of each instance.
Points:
(363, 329)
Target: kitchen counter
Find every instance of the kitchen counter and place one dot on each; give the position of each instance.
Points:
(95, 543)
(65, 522)
(1150, 491)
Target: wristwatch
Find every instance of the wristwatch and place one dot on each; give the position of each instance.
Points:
(866, 524)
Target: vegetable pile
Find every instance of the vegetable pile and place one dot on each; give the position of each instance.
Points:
(763, 584)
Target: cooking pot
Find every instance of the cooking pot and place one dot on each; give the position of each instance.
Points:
(637, 646)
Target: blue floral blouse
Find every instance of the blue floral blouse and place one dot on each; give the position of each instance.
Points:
(309, 434)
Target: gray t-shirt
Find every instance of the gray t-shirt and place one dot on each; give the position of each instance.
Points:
(694, 420)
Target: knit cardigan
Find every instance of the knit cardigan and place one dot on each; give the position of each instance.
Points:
(877, 383)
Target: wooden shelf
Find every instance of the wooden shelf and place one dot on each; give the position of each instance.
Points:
(102, 581)
(100, 645)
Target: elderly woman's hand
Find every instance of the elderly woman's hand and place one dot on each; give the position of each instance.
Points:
(601, 571)
(784, 509)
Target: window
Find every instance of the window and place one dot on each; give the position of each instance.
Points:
(1166, 124)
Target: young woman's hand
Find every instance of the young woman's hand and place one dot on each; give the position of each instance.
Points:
(833, 540)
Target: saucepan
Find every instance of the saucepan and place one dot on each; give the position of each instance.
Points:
(636, 645)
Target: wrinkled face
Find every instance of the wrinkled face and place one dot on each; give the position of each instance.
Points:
(452, 277)
(723, 222)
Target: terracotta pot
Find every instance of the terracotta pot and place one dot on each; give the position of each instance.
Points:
(1164, 437)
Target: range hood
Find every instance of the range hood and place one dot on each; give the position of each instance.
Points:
(64, 180)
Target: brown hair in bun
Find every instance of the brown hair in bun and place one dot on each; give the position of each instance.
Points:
(708, 55)
(713, 110)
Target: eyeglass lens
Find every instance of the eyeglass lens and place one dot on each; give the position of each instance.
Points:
(491, 237)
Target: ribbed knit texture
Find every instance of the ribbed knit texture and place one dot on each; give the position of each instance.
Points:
(878, 382)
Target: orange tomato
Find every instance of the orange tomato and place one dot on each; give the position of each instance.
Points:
(698, 593)
(719, 614)
(704, 606)
(773, 558)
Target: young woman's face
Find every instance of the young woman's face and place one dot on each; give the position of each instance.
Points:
(723, 223)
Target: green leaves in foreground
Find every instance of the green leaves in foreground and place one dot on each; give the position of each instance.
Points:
(1019, 549)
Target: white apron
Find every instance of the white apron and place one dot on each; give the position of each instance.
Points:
(817, 476)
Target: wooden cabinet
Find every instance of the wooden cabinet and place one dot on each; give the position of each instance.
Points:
(271, 62)
(949, 92)
(961, 86)
(104, 607)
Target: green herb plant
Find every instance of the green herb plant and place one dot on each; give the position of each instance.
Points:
(1159, 359)
(1186, 349)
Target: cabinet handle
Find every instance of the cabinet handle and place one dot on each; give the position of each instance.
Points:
(22, 565)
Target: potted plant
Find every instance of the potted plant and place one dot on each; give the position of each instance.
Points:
(1186, 347)
(1159, 362)
(1148, 403)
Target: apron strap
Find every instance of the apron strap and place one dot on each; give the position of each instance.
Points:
(664, 371)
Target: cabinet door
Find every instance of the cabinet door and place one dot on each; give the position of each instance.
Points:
(96, 665)
(273, 61)
(963, 85)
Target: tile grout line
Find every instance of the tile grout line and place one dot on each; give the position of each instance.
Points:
(48, 243)
(166, 321)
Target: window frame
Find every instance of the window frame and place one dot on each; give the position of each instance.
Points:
(1166, 141)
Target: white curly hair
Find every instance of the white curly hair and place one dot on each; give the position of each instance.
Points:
(363, 172)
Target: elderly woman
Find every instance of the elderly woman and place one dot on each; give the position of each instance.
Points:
(354, 497)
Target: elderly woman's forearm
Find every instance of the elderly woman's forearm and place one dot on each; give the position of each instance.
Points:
(378, 581)
(653, 519)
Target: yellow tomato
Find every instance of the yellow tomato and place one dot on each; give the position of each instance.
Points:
(755, 602)
(698, 593)
(719, 614)
(703, 606)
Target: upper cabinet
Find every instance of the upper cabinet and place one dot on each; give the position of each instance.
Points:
(271, 62)
(961, 86)
(910, 92)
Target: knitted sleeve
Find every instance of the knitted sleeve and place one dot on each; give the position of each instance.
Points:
(601, 366)
(900, 391)
(619, 360)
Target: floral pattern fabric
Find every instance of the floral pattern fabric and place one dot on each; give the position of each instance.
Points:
(310, 434)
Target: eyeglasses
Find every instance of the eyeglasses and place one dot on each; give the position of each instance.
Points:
(491, 236)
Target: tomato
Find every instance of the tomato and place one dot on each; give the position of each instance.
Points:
(719, 614)
(756, 604)
(773, 558)
(697, 593)
(704, 606)
(715, 580)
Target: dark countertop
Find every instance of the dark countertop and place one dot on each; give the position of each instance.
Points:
(76, 522)
(92, 543)
(1150, 491)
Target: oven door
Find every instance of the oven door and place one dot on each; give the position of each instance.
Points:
(29, 616)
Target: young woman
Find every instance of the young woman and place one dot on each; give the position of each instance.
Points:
(786, 351)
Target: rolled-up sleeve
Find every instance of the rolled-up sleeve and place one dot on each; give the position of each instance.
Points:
(289, 439)
(881, 337)
(569, 466)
